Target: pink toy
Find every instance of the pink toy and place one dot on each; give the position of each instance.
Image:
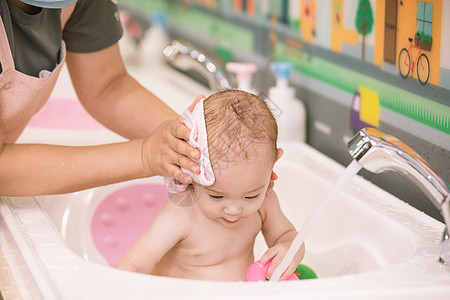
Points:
(257, 273)
(123, 216)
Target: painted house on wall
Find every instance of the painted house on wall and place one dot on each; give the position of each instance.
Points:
(375, 32)
(399, 21)
(393, 22)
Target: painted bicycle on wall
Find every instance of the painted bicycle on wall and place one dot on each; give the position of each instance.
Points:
(406, 64)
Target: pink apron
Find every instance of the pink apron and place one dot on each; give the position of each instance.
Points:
(21, 95)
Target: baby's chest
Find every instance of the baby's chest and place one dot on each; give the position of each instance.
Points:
(224, 243)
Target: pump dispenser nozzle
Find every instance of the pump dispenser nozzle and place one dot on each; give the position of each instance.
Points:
(244, 72)
(282, 71)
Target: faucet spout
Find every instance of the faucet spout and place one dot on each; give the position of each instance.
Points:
(378, 151)
(186, 59)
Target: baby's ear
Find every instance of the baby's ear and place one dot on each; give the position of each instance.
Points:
(273, 175)
(270, 187)
(280, 152)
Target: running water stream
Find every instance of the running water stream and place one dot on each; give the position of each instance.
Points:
(352, 169)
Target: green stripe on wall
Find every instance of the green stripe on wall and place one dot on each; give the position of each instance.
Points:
(226, 34)
(153, 5)
(222, 32)
(416, 107)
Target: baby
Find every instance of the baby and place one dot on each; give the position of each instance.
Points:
(208, 232)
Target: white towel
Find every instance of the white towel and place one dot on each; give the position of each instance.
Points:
(198, 138)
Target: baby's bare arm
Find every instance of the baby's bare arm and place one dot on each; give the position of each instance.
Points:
(279, 233)
(166, 230)
(276, 227)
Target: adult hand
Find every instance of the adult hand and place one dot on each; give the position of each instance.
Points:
(166, 151)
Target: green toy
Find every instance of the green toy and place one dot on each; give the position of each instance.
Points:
(304, 272)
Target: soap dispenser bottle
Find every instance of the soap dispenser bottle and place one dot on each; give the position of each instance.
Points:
(244, 73)
(289, 111)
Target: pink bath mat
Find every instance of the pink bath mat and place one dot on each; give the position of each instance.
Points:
(64, 114)
(123, 216)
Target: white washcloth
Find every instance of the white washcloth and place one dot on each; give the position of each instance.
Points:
(198, 138)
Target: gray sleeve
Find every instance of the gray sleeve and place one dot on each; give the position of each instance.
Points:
(94, 25)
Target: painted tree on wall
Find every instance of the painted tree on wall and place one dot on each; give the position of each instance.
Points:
(364, 22)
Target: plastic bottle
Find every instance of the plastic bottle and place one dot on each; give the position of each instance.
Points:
(289, 111)
(244, 73)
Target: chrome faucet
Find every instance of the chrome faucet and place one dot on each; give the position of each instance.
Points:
(187, 59)
(377, 152)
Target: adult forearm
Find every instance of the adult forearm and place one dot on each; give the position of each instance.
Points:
(128, 109)
(112, 96)
(36, 169)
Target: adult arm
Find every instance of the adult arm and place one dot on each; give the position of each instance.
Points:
(36, 169)
(112, 96)
(118, 101)
(46, 169)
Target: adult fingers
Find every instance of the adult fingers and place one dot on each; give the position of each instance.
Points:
(188, 164)
(179, 130)
(179, 144)
(182, 177)
(183, 148)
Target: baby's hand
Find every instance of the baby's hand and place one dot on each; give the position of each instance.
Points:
(277, 253)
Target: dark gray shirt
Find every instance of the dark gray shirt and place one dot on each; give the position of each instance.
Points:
(35, 40)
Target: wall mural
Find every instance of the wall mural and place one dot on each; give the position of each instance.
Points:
(403, 37)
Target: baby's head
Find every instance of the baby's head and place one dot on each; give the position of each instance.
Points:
(239, 125)
(242, 135)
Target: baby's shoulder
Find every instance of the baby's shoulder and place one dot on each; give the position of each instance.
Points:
(180, 205)
(183, 199)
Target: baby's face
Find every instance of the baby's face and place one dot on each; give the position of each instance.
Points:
(238, 192)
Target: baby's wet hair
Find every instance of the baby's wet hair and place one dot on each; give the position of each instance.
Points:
(238, 123)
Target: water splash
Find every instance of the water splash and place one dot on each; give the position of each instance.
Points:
(444, 256)
(445, 209)
(352, 169)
